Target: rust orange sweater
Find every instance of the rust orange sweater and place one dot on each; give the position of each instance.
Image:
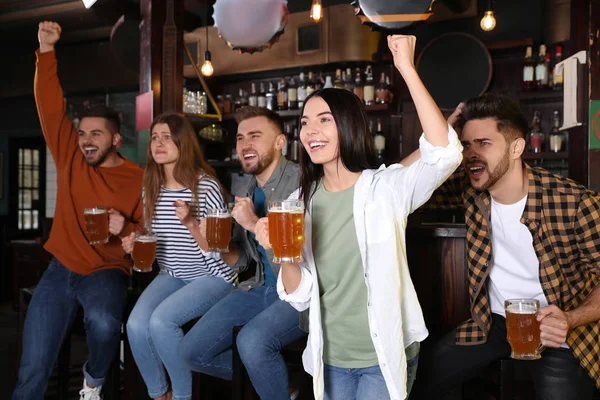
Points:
(80, 185)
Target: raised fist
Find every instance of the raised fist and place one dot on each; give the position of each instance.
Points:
(48, 35)
(403, 51)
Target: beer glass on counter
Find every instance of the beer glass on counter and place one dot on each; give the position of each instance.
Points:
(218, 229)
(96, 224)
(523, 329)
(144, 251)
(286, 230)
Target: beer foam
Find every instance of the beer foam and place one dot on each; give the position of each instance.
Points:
(295, 210)
(145, 239)
(219, 216)
(522, 309)
(94, 211)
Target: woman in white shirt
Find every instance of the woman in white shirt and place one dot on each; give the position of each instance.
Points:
(365, 320)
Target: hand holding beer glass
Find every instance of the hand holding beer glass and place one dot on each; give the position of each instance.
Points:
(144, 251)
(96, 225)
(523, 328)
(286, 230)
(218, 229)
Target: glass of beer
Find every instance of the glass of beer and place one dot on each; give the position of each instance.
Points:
(144, 251)
(96, 224)
(218, 229)
(523, 329)
(286, 230)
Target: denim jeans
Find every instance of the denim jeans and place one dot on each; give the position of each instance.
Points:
(50, 315)
(269, 325)
(154, 329)
(366, 383)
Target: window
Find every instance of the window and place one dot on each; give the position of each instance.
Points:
(29, 189)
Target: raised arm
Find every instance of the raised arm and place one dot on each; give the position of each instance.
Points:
(58, 129)
(432, 120)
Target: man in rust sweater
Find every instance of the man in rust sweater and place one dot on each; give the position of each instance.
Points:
(90, 173)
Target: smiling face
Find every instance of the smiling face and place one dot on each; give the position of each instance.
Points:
(95, 140)
(163, 148)
(319, 133)
(486, 154)
(257, 143)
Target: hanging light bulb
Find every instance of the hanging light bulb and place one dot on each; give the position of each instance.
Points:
(316, 11)
(207, 67)
(488, 22)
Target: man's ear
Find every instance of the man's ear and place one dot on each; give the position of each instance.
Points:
(517, 148)
(116, 139)
(281, 141)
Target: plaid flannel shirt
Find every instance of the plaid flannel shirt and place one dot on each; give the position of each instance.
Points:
(564, 220)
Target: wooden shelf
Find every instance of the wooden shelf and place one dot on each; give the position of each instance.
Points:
(541, 96)
(546, 155)
(296, 113)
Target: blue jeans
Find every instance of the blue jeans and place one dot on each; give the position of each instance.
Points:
(50, 315)
(154, 328)
(269, 325)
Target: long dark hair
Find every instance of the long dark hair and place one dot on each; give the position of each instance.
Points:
(189, 166)
(355, 141)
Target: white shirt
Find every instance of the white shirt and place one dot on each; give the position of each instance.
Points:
(383, 199)
(516, 270)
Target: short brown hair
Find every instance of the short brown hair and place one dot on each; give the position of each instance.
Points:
(113, 121)
(251, 112)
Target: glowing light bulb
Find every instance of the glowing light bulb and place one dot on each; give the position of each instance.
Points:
(207, 67)
(316, 11)
(488, 22)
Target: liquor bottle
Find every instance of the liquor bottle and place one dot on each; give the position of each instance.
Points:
(369, 88)
(389, 89)
(310, 85)
(349, 81)
(379, 141)
(556, 138)
(558, 78)
(541, 70)
(528, 70)
(358, 85)
(271, 97)
(262, 96)
(328, 84)
(320, 82)
(550, 71)
(338, 83)
(294, 154)
(302, 90)
(282, 95)
(536, 136)
(292, 94)
(253, 97)
(242, 99)
(382, 93)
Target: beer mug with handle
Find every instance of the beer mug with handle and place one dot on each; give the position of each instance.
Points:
(286, 230)
(96, 225)
(523, 328)
(144, 251)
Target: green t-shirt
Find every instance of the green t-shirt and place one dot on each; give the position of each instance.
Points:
(346, 337)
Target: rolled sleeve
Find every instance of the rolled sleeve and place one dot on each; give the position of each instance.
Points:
(451, 153)
(300, 298)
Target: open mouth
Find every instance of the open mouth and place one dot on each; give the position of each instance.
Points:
(476, 170)
(250, 156)
(316, 145)
(90, 151)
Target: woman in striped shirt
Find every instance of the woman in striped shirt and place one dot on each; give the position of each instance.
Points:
(178, 189)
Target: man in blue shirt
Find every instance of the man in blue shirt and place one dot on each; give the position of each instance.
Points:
(269, 323)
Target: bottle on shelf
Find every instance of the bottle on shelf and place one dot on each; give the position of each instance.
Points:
(358, 85)
(528, 70)
(320, 82)
(369, 88)
(550, 69)
(241, 100)
(348, 80)
(558, 78)
(389, 88)
(228, 104)
(282, 95)
(295, 144)
(262, 96)
(328, 84)
(338, 83)
(536, 135)
(379, 141)
(271, 97)
(381, 93)
(302, 90)
(220, 102)
(310, 85)
(556, 139)
(253, 97)
(541, 70)
(292, 94)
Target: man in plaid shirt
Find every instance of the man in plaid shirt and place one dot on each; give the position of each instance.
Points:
(530, 234)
